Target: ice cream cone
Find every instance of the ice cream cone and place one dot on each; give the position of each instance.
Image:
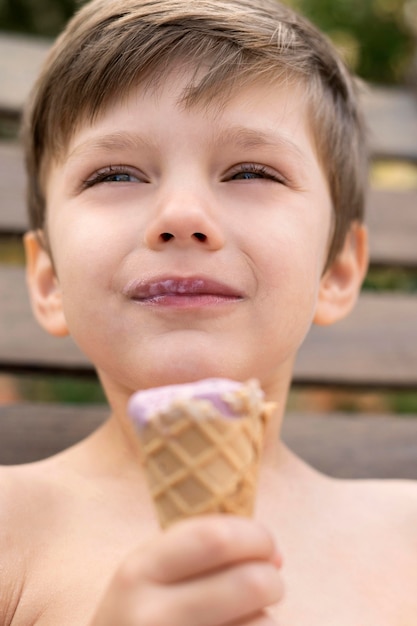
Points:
(198, 461)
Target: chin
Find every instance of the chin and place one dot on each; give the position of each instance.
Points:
(184, 369)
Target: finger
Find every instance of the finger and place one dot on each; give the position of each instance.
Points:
(260, 619)
(199, 545)
(238, 593)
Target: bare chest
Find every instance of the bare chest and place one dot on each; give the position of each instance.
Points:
(68, 589)
(350, 591)
(327, 581)
(327, 606)
(68, 565)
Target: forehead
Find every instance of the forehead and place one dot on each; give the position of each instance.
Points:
(252, 114)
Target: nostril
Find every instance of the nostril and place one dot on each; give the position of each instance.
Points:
(168, 236)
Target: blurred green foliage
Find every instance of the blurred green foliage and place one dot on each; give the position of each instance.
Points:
(374, 34)
(40, 17)
(11, 250)
(391, 279)
(64, 390)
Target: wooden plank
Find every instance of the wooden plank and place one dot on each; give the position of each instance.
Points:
(392, 215)
(391, 112)
(13, 219)
(343, 446)
(21, 58)
(355, 446)
(374, 347)
(33, 432)
(392, 221)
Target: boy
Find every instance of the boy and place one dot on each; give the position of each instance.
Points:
(196, 182)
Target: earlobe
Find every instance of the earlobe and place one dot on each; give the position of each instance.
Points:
(44, 290)
(341, 283)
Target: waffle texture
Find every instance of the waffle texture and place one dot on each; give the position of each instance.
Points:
(197, 461)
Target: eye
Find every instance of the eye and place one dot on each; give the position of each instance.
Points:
(253, 171)
(113, 174)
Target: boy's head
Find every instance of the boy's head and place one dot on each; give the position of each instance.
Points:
(112, 46)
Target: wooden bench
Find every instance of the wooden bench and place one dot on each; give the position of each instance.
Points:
(374, 349)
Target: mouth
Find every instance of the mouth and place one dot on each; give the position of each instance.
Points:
(182, 292)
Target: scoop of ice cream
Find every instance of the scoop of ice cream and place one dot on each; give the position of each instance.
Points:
(220, 392)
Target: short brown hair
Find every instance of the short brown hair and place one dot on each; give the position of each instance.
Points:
(111, 46)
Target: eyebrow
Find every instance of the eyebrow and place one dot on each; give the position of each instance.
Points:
(122, 141)
(252, 138)
(240, 136)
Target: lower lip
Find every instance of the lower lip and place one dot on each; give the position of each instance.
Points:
(187, 301)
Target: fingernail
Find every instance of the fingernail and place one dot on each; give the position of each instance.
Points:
(277, 559)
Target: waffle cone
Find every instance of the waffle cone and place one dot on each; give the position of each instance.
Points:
(198, 462)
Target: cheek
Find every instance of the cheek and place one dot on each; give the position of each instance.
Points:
(290, 261)
(293, 253)
(84, 260)
(85, 241)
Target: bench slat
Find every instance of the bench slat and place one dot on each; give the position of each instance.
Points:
(392, 220)
(340, 445)
(392, 215)
(350, 446)
(12, 189)
(30, 432)
(374, 347)
(21, 58)
(391, 114)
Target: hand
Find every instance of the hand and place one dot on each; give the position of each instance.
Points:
(209, 571)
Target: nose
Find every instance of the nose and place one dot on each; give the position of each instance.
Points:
(184, 219)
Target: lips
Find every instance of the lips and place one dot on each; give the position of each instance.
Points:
(181, 291)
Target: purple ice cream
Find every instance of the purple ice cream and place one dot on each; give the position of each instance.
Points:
(143, 405)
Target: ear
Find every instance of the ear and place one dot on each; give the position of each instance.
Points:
(44, 290)
(341, 283)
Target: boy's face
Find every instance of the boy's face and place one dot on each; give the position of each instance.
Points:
(191, 242)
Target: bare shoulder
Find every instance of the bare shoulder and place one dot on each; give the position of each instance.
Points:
(23, 505)
(27, 497)
(374, 525)
(386, 512)
(13, 541)
(15, 484)
(398, 499)
(18, 486)
(392, 502)
(401, 499)
(396, 502)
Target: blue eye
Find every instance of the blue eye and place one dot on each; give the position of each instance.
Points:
(112, 174)
(117, 178)
(248, 175)
(252, 171)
